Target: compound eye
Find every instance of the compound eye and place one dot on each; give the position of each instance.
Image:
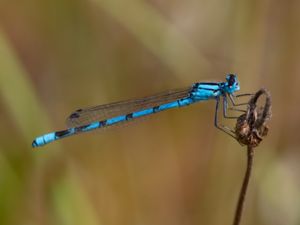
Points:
(231, 80)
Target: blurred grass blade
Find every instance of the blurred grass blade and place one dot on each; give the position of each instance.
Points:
(18, 94)
(10, 190)
(71, 203)
(158, 36)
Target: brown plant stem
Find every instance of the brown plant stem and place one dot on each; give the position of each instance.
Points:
(240, 204)
(251, 128)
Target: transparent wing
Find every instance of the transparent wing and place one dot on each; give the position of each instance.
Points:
(98, 113)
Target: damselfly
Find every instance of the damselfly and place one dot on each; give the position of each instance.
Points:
(91, 118)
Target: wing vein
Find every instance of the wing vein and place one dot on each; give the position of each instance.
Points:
(101, 112)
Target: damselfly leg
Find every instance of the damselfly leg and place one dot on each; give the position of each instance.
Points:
(221, 127)
(233, 97)
(225, 107)
(235, 105)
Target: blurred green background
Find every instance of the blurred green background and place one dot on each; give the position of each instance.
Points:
(173, 169)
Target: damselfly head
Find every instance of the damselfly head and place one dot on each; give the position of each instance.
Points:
(232, 83)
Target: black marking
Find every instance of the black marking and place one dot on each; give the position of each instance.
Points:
(195, 85)
(178, 102)
(231, 79)
(103, 123)
(209, 83)
(34, 144)
(129, 116)
(208, 89)
(155, 109)
(74, 115)
(61, 133)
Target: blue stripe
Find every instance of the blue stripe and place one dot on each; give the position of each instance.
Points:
(115, 120)
(91, 126)
(143, 112)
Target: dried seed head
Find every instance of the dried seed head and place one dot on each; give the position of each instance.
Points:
(251, 126)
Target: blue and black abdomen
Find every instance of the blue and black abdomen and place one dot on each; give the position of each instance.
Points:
(47, 138)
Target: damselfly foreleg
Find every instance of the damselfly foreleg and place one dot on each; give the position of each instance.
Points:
(221, 127)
